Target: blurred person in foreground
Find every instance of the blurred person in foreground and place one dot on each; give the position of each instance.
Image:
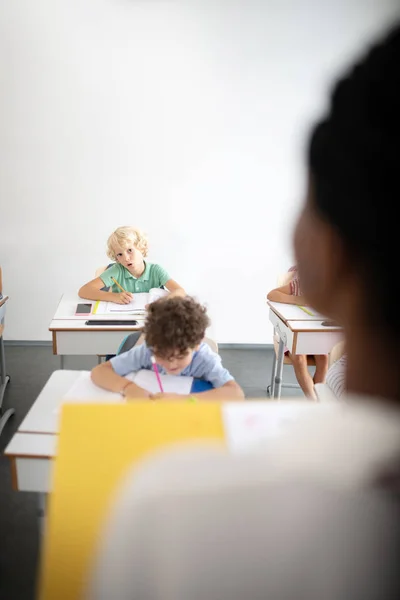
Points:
(312, 514)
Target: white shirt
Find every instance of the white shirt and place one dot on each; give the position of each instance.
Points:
(298, 518)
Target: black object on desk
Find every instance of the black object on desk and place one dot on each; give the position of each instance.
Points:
(329, 324)
(116, 322)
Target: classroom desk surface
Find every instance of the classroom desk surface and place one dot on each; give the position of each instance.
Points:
(44, 414)
(292, 312)
(32, 448)
(71, 335)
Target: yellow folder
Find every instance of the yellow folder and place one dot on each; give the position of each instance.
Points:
(97, 444)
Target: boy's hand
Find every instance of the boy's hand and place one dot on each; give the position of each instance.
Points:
(121, 297)
(165, 396)
(132, 392)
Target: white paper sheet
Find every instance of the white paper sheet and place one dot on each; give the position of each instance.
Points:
(249, 423)
(136, 306)
(84, 390)
(172, 384)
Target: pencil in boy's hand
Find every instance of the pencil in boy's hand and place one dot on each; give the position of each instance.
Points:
(153, 360)
(120, 286)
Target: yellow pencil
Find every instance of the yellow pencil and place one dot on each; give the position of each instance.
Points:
(120, 286)
(306, 310)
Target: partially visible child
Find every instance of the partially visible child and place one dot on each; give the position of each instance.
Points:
(291, 294)
(336, 377)
(174, 333)
(128, 247)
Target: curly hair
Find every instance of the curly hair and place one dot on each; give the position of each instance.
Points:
(354, 167)
(175, 325)
(123, 237)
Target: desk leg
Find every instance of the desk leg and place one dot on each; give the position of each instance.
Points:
(41, 513)
(4, 379)
(279, 370)
(2, 362)
(271, 388)
(61, 361)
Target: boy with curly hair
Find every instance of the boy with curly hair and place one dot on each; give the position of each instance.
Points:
(174, 334)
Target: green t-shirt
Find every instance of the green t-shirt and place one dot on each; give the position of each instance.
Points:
(153, 276)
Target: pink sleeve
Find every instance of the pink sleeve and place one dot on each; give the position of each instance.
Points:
(295, 287)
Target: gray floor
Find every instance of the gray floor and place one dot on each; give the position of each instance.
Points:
(29, 368)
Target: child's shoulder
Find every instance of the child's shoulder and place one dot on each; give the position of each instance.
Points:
(206, 354)
(156, 273)
(113, 268)
(153, 266)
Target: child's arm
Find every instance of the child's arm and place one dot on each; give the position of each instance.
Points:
(229, 391)
(92, 291)
(209, 368)
(174, 288)
(283, 294)
(105, 377)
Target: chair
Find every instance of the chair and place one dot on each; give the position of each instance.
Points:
(97, 273)
(212, 343)
(4, 378)
(335, 383)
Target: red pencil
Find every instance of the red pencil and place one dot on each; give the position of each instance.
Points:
(153, 360)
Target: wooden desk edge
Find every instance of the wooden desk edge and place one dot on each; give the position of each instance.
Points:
(103, 328)
(328, 329)
(278, 314)
(34, 432)
(12, 456)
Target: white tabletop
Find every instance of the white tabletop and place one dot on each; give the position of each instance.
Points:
(66, 319)
(31, 445)
(312, 326)
(44, 415)
(293, 312)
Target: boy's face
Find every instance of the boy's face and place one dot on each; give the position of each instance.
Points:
(128, 256)
(176, 362)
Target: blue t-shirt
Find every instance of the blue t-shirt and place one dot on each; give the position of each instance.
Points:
(205, 364)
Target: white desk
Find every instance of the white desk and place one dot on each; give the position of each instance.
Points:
(307, 335)
(71, 336)
(31, 457)
(33, 447)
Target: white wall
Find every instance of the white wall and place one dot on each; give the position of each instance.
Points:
(187, 119)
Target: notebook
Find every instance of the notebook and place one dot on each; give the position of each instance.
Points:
(83, 389)
(172, 384)
(137, 306)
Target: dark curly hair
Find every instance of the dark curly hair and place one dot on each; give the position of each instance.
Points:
(175, 325)
(354, 165)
